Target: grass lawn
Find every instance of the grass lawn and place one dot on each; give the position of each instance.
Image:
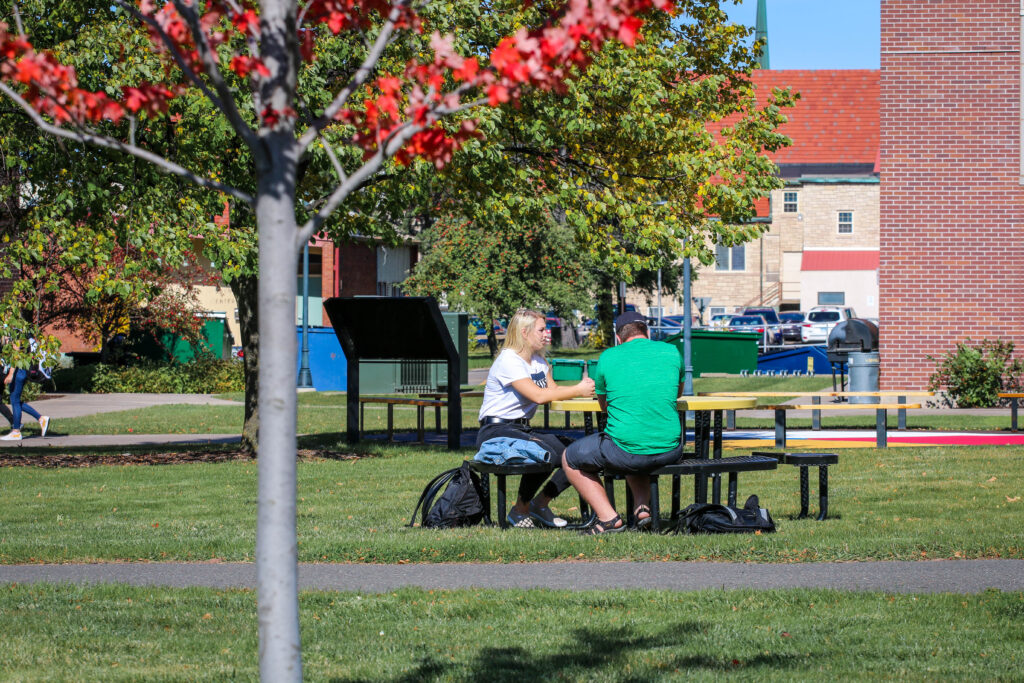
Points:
(906, 503)
(128, 633)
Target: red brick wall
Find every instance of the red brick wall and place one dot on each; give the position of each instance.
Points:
(952, 208)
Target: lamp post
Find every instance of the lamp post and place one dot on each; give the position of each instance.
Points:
(687, 325)
(305, 376)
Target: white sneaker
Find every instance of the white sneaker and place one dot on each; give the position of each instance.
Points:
(13, 435)
(44, 424)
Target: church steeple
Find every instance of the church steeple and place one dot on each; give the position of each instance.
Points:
(761, 33)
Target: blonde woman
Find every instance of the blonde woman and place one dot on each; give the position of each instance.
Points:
(519, 380)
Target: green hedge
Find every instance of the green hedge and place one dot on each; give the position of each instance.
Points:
(199, 376)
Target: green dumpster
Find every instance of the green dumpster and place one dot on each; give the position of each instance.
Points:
(726, 352)
(567, 369)
(591, 367)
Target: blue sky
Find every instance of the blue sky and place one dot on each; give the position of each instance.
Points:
(817, 34)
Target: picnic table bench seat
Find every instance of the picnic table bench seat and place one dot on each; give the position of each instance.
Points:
(421, 404)
(701, 469)
(805, 461)
(500, 472)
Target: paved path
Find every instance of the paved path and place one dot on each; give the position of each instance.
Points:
(942, 576)
(79, 405)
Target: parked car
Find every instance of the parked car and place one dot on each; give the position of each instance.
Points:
(770, 316)
(821, 320)
(755, 323)
(720, 320)
(792, 324)
(670, 325)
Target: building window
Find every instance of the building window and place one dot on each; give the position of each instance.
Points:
(789, 202)
(831, 298)
(845, 222)
(730, 258)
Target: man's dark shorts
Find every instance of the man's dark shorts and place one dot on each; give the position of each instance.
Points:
(598, 452)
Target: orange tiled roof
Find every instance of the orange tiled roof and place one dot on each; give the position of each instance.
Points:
(836, 119)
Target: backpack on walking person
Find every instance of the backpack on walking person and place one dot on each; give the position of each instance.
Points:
(41, 370)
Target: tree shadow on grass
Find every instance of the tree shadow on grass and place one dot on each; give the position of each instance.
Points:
(615, 654)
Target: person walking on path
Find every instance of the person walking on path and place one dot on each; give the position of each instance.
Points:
(16, 378)
(637, 384)
(519, 380)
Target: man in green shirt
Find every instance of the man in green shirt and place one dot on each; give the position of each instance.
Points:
(637, 384)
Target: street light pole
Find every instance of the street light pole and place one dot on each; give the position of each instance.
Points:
(305, 376)
(687, 326)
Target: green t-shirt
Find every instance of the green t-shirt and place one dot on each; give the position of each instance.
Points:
(640, 381)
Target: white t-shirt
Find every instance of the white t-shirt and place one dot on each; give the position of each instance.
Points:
(500, 399)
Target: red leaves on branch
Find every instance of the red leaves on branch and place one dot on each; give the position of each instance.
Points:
(149, 98)
(341, 15)
(243, 65)
(542, 58)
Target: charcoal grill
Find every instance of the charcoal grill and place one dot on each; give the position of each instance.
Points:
(850, 336)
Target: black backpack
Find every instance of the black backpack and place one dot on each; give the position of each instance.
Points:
(705, 518)
(461, 503)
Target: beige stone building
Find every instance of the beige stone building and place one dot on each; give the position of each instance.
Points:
(822, 237)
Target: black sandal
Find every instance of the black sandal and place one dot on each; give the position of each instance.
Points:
(642, 523)
(607, 527)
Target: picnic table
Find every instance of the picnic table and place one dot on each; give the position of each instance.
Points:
(707, 434)
(1014, 398)
(815, 396)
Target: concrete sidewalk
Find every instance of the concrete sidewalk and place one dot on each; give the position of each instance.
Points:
(58, 406)
(941, 576)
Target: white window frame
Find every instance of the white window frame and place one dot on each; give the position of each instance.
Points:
(731, 253)
(847, 224)
(839, 304)
(790, 201)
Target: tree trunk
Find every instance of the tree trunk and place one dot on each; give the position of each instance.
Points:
(277, 595)
(246, 291)
(492, 339)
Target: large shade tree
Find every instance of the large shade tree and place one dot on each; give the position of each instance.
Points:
(654, 154)
(247, 60)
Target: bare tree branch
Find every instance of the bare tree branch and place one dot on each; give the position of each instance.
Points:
(342, 176)
(17, 18)
(92, 138)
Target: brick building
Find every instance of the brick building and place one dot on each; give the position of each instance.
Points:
(952, 202)
(361, 267)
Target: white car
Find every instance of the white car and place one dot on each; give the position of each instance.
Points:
(821, 320)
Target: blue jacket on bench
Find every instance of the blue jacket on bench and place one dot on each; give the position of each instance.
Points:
(504, 450)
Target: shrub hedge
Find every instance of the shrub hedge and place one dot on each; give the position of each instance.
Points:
(199, 376)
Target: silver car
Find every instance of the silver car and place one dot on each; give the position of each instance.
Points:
(821, 320)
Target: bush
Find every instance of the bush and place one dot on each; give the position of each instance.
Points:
(73, 380)
(975, 375)
(203, 375)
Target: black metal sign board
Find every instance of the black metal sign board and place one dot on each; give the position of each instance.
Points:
(394, 328)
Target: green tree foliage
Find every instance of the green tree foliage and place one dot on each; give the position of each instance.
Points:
(506, 257)
(93, 242)
(652, 148)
